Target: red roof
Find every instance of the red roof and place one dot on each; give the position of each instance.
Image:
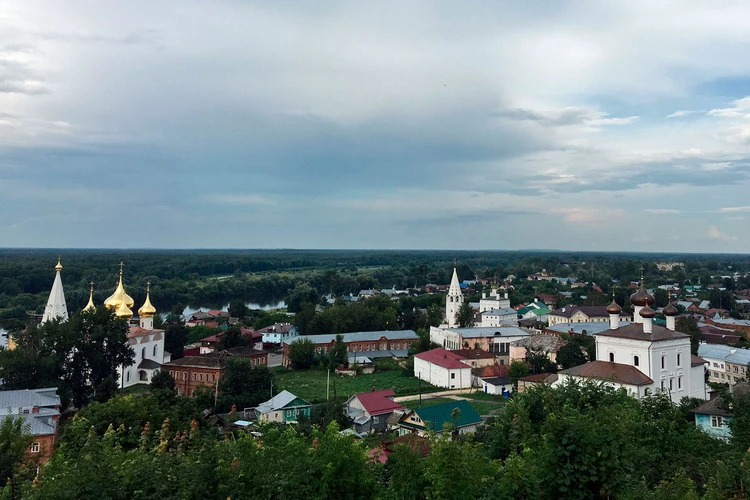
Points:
(211, 324)
(442, 358)
(377, 402)
(492, 371)
(214, 312)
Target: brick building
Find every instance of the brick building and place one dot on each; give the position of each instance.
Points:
(205, 370)
(394, 343)
(40, 410)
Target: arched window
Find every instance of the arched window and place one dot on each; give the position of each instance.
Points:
(127, 377)
(635, 360)
(143, 353)
(155, 351)
(611, 357)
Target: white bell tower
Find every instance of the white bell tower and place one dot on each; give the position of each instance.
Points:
(453, 301)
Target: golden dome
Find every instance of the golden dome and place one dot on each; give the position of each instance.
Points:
(58, 267)
(119, 297)
(147, 310)
(90, 306)
(123, 311)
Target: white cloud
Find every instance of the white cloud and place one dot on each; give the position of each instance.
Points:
(593, 216)
(240, 199)
(682, 112)
(715, 233)
(729, 210)
(662, 211)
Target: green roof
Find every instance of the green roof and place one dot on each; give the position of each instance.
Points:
(541, 311)
(439, 414)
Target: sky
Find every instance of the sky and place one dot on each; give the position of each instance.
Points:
(612, 126)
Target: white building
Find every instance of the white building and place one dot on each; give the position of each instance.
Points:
(146, 342)
(443, 369)
(278, 333)
(496, 339)
(453, 301)
(56, 307)
(497, 317)
(492, 300)
(642, 357)
(726, 364)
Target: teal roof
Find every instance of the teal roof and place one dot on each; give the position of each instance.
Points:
(435, 416)
(540, 310)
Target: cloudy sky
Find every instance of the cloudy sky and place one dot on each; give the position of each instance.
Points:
(445, 125)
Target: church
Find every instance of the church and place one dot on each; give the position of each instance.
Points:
(146, 342)
(642, 357)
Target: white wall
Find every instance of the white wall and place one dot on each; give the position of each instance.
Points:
(138, 348)
(459, 378)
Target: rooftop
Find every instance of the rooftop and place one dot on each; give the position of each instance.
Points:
(443, 358)
(548, 343)
(606, 370)
(378, 402)
(490, 331)
(635, 331)
(277, 402)
(590, 311)
(435, 416)
(724, 352)
(474, 354)
(360, 336)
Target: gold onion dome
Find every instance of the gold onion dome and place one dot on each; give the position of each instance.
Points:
(90, 306)
(114, 300)
(147, 310)
(123, 311)
(58, 267)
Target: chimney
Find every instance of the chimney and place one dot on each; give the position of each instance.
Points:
(35, 409)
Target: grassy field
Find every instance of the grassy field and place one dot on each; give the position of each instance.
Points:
(311, 384)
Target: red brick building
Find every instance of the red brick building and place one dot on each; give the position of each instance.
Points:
(40, 409)
(205, 370)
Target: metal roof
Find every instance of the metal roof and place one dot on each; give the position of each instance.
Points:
(359, 336)
(724, 352)
(277, 402)
(490, 331)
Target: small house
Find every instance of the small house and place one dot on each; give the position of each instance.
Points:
(370, 411)
(284, 407)
(456, 416)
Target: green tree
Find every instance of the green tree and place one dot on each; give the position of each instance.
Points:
(243, 385)
(302, 353)
(237, 309)
(175, 336)
(538, 361)
(233, 338)
(518, 369)
(162, 380)
(465, 315)
(689, 326)
(338, 355)
(14, 441)
(571, 355)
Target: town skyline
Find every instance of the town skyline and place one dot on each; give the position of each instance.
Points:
(398, 126)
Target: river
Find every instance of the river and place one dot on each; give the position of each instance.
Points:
(250, 305)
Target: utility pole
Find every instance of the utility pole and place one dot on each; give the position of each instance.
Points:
(328, 383)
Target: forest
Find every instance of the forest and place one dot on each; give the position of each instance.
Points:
(182, 278)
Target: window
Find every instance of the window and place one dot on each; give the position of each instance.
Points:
(611, 357)
(663, 362)
(678, 359)
(143, 353)
(155, 351)
(184, 375)
(453, 375)
(195, 376)
(717, 421)
(636, 361)
(735, 369)
(662, 385)
(289, 413)
(200, 377)
(127, 377)
(670, 384)
(35, 447)
(679, 382)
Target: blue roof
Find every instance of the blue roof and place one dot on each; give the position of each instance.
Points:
(726, 353)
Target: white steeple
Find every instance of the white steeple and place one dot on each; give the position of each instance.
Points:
(56, 307)
(453, 300)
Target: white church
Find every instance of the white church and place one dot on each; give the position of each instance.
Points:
(642, 357)
(146, 342)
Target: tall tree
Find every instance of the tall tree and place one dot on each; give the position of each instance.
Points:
(302, 354)
(175, 336)
(465, 315)
(14, 440)
(243, 385)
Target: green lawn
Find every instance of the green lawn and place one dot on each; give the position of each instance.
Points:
(311, 384)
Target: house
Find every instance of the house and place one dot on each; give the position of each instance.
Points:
(476, 357)
(580, 314)
(616, 374)
(370, 411)
(536, 311)
(493, 379)
(548, 344)
(713, 418)
(443, 369)
(278, 332)
(726, 364)
(284, 407)
(497, 317)
(192, 372)
(389, 343)
(458, 415)
(209, 344)
(40, 410)
(495, 340)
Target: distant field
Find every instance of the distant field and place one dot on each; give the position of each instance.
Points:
(311, 384)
